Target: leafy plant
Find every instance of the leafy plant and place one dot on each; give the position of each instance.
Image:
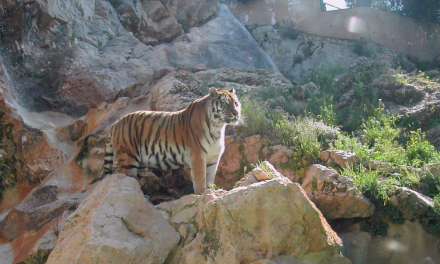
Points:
(419, 151)
(370, 183)
(263, 167)
(287, 29)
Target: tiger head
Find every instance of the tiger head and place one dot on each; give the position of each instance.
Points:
(225, 106)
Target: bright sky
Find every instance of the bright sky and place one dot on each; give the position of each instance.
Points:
(337, 3)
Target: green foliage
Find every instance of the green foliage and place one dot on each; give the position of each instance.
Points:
(307, 135)
(379, 129)
(259, 119)
(378, 139)
(407, 178)
(281, 98)
(419, 151)
(361, 48)
(393, 214)
(371, 183)
(298, 58)
(287, 29)
(437, 201)
(430, 185)
(431, 221)
(260, 164)
(400, 61)
(324, 78)
(375, 228)
(333, 81)
(213, 186)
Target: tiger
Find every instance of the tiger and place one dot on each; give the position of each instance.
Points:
(193, 137)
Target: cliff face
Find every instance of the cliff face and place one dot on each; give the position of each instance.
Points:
(57, 52)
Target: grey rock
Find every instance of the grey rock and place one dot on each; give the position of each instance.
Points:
(220, 43)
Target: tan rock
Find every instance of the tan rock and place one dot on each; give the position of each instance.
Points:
(167, 95)
(335, 194)
(200, 67)
(115, 224)
(260, 221)
(279, 156)
(251, 148)
(258, 175)
(228, 172)
(339, 157)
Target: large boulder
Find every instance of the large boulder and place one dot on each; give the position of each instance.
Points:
(222, 42)
(268, 220)
(334, 194)
(117, 224)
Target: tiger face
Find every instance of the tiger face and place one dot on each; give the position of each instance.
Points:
(225, 107)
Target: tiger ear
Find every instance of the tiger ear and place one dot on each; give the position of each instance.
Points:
(213, 92)
(232, 90)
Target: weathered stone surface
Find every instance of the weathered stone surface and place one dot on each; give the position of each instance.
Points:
(258, 175)
(171, 95)
(79, 54)
(226, 227)
(280, 157)
(45, 244)
(115, 224)
(220, 43)
(334, 194)
(295, 57)
(228, 172)
(191, 13)
(26, 223)
(250, 79)
(411, 203)
(149, 21)
(340, 158)
(27, 154)
(251, 149)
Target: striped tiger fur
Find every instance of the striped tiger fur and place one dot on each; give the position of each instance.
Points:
(192, 137)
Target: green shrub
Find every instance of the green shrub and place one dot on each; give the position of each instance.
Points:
(361, 48)
(287, 29)
(419, 151)
(370, 183)
(255, 119)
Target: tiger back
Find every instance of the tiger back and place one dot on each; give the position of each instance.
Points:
(192, 137)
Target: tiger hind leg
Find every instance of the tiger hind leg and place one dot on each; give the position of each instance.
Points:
(108, 159)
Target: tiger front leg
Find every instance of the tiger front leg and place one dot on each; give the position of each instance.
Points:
(198, 174)
(211, 169)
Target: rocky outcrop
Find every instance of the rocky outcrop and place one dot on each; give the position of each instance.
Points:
(27, 155)
(334, 194)
(339, 158)
(77, 55)
(242, 154)
(296, 53)
(115, 224)
(220, 226)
